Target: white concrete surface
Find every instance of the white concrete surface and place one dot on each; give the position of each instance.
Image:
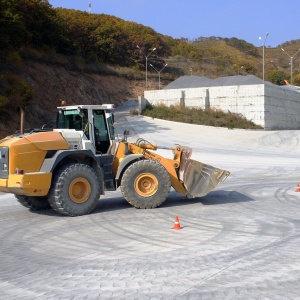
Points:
(241, 241)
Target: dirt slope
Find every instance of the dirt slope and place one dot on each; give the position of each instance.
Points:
(51, 84)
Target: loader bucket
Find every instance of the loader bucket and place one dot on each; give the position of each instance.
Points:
(198, 178)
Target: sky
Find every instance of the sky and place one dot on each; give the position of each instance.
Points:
(249, 20)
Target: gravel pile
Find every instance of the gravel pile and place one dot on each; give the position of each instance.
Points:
(189, 82)
(237, 80)
(201, 81)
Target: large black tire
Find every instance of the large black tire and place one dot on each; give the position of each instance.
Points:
(75, 190)
(34, 203)
(146, 184)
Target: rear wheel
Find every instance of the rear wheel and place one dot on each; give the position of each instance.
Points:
(75, 190)
(146, 184)
(34, 203)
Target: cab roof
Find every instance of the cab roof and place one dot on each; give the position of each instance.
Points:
(72, 107)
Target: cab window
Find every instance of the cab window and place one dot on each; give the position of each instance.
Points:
(102, 139)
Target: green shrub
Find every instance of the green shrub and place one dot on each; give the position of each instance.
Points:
(198, 116)
(134, 112)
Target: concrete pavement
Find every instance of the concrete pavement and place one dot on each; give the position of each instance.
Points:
(240, 241)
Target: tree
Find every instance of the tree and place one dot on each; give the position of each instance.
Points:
(13, 32)
(242, 46)
(296, 79)
(277, 77)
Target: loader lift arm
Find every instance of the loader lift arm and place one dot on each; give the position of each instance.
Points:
(171, 165)
(188, 177)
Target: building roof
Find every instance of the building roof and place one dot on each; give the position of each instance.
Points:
(201, 81)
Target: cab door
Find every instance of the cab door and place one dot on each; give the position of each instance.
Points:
(101, 132)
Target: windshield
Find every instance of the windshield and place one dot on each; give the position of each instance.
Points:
(71, 119)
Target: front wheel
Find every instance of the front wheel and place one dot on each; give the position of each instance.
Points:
(75, 190)
(34, 203)
(146, 184)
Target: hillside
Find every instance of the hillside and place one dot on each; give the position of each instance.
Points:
(52, 83)
(48, 55)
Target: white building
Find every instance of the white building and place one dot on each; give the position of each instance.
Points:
(264, 103)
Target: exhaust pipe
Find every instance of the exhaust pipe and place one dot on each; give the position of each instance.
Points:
(21, 120)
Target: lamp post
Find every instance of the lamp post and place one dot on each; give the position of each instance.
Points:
(146, 57)
(159, 74)
(291, 57)
(264, 54)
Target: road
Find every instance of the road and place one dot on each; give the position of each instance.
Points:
(241, 241)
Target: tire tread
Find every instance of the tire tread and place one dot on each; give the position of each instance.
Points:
(59, 198)
(149, 166)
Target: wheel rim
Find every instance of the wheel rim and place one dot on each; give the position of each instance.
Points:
(146, 184)
(79, 190)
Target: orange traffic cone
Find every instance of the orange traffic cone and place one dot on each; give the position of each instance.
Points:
(177, 224)
(298, 188)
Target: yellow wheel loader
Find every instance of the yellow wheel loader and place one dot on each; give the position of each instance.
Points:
(68, 168)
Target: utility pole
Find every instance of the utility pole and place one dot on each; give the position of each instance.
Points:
(146, 57)
(291, 58)
(264, 55)
(158, 73)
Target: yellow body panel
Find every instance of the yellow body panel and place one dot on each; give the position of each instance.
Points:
(26, 157)
(50, 140)
(33, 184)
(120, 154)
(7, 141)
(3, 186)
(28, 153)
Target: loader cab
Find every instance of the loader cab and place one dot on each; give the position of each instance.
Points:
(95, 122)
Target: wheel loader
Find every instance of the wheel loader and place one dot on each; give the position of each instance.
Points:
(69, 167)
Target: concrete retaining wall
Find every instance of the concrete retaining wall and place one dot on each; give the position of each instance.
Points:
(267, 105)
(282, 108)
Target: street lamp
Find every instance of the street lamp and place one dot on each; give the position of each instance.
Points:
(159, 74)
(264, 54)
(291, 57)
(146, 57)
